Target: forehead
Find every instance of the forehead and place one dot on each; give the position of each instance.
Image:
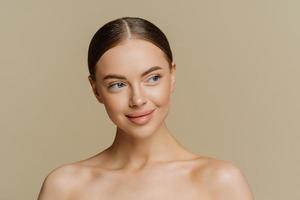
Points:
(132, 55)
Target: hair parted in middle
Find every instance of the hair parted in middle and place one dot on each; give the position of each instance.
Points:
(119, 30)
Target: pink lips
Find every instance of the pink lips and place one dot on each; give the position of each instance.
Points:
(140, 118)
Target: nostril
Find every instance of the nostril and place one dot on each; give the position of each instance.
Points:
(137, 97)
(137, 103)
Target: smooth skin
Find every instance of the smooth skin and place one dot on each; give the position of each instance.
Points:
(145, 162)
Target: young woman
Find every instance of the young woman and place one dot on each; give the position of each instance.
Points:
(132, 73)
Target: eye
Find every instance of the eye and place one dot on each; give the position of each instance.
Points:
(119, 84)
(155, 78)
(115, 84)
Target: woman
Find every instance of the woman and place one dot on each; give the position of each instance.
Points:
(132, 73)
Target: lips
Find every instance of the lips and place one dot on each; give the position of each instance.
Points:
(140, 114)
(141, 118)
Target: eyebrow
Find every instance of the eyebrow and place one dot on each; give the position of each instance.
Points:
(116, 76)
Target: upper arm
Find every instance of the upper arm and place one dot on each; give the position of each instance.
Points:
(230, 183)
(56, 185)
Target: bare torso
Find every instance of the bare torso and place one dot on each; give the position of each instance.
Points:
(176, 180)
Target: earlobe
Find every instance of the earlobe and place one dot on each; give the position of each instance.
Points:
(173, 77)
(94, 88)
(98, 96)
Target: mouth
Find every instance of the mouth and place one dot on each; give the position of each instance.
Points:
(140, 114)
(141, 119)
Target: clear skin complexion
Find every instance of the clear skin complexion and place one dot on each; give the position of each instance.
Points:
(145, 161)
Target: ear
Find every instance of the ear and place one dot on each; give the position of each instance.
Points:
(94, 87)
(173, 77)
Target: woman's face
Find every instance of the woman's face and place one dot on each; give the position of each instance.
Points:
(133, 78)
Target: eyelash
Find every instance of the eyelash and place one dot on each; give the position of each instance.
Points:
(158, 76)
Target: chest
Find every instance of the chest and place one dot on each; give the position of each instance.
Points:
(149, 188)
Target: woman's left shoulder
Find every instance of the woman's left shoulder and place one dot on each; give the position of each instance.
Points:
(224, 178)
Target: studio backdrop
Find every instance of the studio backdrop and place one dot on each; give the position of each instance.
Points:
(237, 87)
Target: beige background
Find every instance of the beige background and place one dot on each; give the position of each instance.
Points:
(237, 95)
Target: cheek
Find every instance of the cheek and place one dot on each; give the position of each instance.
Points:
(161, 95)
(117, 103)
(114, 104)
(113, 110)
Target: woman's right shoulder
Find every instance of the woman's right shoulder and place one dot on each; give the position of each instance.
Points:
(61, 182)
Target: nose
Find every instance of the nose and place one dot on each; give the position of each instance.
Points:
(137, 98)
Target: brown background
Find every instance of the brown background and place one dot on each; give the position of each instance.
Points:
(237, 93)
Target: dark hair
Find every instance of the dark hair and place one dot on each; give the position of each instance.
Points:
(114, 32)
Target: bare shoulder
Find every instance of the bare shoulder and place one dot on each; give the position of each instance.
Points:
(223, 178)
(61, 182)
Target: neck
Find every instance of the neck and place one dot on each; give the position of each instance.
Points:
(133, 153)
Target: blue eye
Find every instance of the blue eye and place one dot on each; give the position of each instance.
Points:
(157, 77)
(118, 84)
